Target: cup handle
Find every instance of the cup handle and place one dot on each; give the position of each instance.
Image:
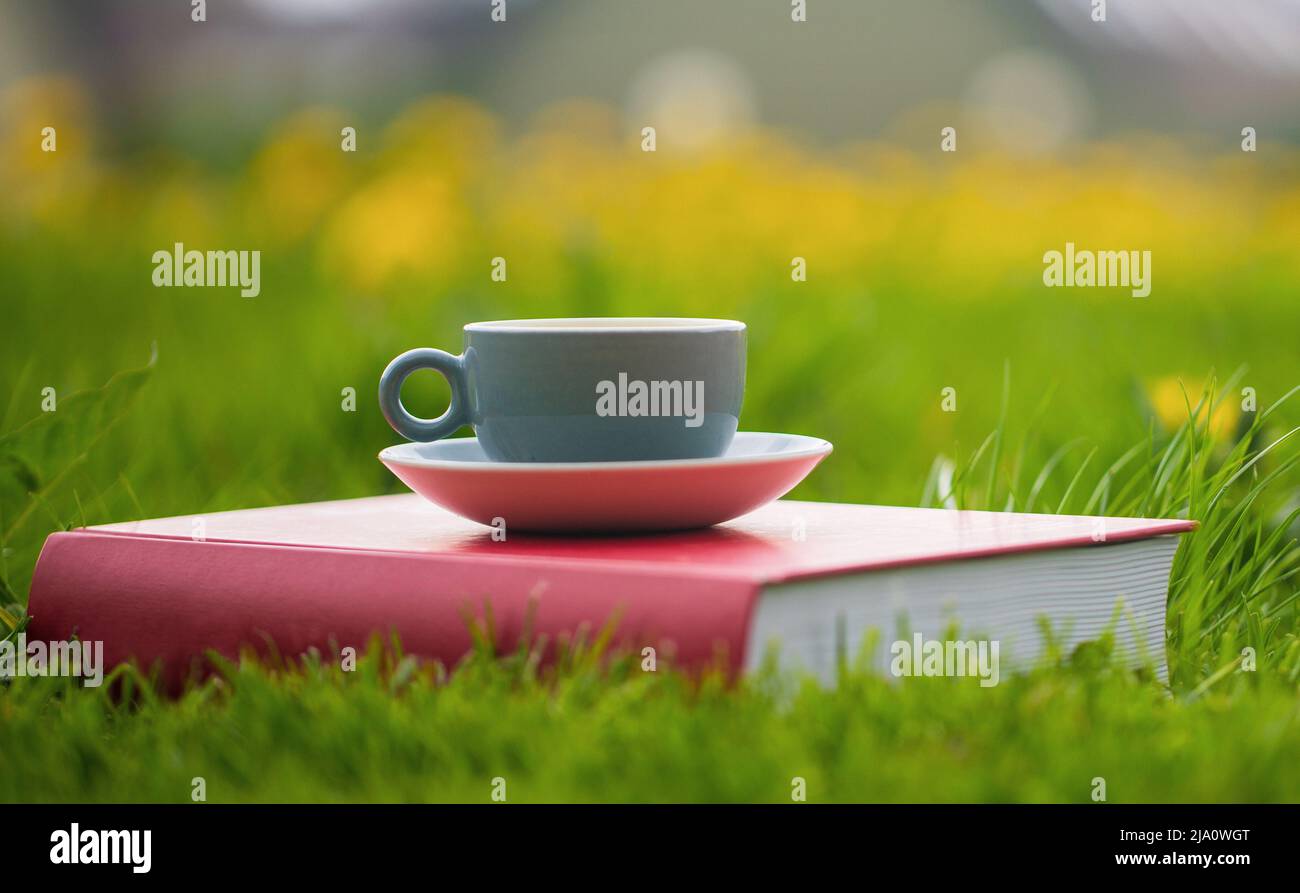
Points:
(411, 427)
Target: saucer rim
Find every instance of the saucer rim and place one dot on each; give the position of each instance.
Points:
(811, 446)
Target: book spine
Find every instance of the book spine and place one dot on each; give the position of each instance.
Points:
(165, 602)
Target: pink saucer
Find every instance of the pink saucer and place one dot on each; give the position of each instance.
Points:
(606, 497)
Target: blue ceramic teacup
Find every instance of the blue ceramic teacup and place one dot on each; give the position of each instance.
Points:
(584, 390)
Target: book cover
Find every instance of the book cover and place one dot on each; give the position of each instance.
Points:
(332, 574)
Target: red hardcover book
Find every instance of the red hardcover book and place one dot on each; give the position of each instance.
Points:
(807, 579)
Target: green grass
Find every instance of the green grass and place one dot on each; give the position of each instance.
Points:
(594, 727)
(1232, 584)
(389, 731)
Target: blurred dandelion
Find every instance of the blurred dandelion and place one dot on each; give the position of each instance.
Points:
(406, 222)
(1172, 395)
(51, 186)
(441, 189)
(298, 174)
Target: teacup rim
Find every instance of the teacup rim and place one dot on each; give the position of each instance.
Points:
(607, 325)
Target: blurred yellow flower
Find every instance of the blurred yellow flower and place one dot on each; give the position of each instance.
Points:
(299, 174)
(406, 222)
(576, 207)
(27, 108)
(452, 136)
(1171, 397)
(45, 139)
(183, 208)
